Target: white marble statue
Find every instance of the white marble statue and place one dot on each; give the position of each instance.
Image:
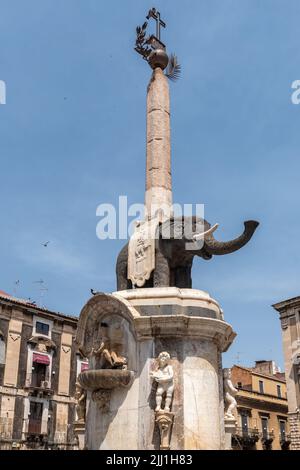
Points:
(163, 375)
(229, 391)
(80, 396)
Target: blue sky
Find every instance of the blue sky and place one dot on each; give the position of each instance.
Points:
(72, 136)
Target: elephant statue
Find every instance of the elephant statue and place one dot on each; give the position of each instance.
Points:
(176, 245)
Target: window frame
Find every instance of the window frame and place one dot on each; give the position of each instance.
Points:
(261, 387)
(39, 319)
(279, 391)
(43, 324)
(282, 434)
(265, 431)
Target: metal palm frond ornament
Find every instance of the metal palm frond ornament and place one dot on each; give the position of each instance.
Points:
(173, 69)
(153, 50)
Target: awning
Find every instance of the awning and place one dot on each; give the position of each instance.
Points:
(41, 358)
(84, 366)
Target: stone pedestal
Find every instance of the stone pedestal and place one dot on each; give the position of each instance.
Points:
(164, 421)
(79, 431)
(189, 325)
(230, 429)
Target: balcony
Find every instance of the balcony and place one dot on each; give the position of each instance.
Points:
(36, 433)
(267, 436)
(246, 437)
(38, 385)
(285, 440)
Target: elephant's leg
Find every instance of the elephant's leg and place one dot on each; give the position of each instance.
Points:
(121, 270)
(161, 275)
(183, 277)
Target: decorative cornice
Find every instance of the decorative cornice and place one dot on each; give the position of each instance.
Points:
(281, 307)
(218, 331)
(40, 339)
(269, 406)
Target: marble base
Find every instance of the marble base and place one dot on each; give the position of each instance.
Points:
(79, 431)
(188, 324)
(230, 429)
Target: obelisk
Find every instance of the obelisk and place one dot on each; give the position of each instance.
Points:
(158, 164)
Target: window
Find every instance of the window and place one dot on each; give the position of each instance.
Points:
(239, 384)
(244, 421)
(264, 426)
(38, 374)
(42, 328)
(40, 370)
(279, 391)
(282, 426)
(261, 386)
(2, 349)
(35, 418)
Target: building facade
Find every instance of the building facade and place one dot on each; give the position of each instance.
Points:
(39, 364)
(289, 312)
(262, 410)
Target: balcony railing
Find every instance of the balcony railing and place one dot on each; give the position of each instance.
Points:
(267, 436)
(37, 382)
(248, 433)
(285, 438)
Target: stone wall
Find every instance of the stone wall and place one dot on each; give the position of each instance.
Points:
(294, 419)
(16, 393)
(56, 337)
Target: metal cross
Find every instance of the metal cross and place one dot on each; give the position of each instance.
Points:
(156, 16)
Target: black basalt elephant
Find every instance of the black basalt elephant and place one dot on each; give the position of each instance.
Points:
(175, 250)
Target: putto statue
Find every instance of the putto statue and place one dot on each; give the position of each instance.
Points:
(106, 357)
(163, 375)
(80, 396)
(229, 393)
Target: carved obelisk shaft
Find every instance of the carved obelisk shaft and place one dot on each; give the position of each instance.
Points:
(158, 167)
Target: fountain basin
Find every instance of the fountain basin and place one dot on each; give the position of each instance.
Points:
(106, 379)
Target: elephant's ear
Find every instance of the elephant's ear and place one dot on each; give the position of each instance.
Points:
(183, 227)
(172, 228)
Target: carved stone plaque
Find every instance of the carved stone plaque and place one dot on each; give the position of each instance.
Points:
(141, 252)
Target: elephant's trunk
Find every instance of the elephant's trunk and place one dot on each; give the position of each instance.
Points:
(214, 247)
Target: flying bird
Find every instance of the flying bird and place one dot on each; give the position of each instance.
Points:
(93, 292)
(46, 244)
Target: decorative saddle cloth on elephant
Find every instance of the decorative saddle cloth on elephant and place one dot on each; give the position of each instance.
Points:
(141, 252)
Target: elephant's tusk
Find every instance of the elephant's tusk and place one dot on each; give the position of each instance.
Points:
(200, 236)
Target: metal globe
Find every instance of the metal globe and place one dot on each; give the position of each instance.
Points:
(158, 58)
